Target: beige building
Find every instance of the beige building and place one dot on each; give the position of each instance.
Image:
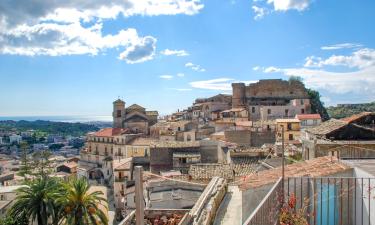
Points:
(134, 117)
(292, 130)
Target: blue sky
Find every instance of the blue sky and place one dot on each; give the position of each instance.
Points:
(76, 57)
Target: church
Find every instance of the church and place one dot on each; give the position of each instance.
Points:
(134, 117)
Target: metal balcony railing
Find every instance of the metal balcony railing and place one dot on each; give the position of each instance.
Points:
(322, 201)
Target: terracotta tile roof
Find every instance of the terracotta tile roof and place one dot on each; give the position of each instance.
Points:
(308, 116)
(318, 167)
(355, 117)
(327, 127)
(109, 132)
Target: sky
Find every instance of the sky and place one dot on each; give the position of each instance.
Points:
(76, 57)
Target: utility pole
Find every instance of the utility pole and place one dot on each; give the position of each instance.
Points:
(283, 161)
(139, 201)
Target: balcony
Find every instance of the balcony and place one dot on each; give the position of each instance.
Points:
(323, 200)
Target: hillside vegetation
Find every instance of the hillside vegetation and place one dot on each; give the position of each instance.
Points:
(345, 110)
(62, 128)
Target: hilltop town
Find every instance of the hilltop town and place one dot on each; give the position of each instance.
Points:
(223, 160)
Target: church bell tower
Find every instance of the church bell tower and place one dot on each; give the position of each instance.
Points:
(118, 113)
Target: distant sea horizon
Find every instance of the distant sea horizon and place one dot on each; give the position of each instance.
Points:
(68, 119)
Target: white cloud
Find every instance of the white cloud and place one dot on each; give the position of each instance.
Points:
(180, 75)
(142, 51)
(167, 77)
(284, 5)
(271, 69)
(358, 82)
(361, 58)
(260, 12)
(341, 46)
(174, 52)
(195, 67)
(256, 68)
(221, 84)
(54, 28)
(34, 11)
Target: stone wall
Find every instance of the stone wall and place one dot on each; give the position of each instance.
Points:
(241, 137)
(260, 138)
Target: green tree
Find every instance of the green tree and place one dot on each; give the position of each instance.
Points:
(81, 207)
(9, 220)
(37, 201)
(42, 164)
(25, 168)
(317, 106)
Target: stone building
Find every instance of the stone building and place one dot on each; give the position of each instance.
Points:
(215, 103)
(271, 99)
(134, 117)
(352, 137)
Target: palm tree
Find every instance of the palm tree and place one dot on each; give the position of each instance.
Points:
(82, 207)
(36, 201)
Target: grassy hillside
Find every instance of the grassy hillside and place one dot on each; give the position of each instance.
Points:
(345, 110)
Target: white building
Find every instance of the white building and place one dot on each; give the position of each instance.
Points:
(15, 138)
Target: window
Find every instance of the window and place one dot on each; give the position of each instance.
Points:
(268, 127)
(118, 113)
(289, 126)
(302, 102)
(253, 109)
(269, 111)
(290, 137)
(303, 111)
(286, 112)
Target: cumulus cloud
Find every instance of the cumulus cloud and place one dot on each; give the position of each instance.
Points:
(33, 11)
(180, 75)
(361, 58)
(259, 12)
(271, 69)
(359, 83)
(256, 68)
(140, 52)
(174, 52)
(341, 46)
(284, 5)
(33, 27)
(195, 67)
(167, 77)
(221, 84)
(262, 8)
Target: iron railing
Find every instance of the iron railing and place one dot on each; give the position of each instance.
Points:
(321, 201)
(267, 212)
